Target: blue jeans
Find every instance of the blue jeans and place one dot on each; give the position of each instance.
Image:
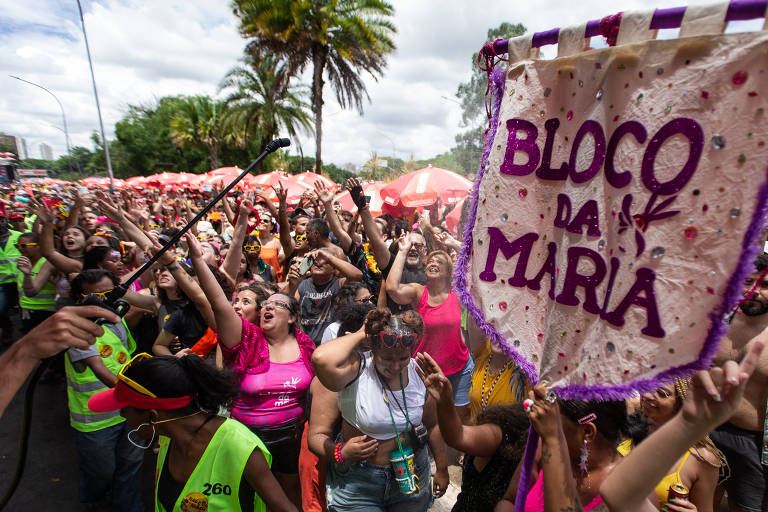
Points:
(461, 381)
(9, 298)
(364, 486)
(108, 462)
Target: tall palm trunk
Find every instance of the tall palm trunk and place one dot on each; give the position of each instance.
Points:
(319, 58)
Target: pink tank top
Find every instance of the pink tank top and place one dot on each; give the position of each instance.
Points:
(535, 500)
(442, 333)
(273, 398)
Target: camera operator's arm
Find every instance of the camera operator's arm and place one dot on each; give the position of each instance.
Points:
(69, 327)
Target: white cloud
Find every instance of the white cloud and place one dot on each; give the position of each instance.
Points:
(143, 50)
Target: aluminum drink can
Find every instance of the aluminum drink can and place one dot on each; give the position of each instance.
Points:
(677, 491)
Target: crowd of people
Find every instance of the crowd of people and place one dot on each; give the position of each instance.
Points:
(308, 358)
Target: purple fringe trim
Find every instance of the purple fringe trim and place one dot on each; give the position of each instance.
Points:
(496, 79)
(524, 484)
(718, 327)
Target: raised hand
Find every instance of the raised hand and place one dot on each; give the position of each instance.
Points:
(324, 193)
(544, 413)
(195, 250)
(110, 209)
(404, 242)
(434, 380)
(281, 193)
(24, 265)
(715, 394)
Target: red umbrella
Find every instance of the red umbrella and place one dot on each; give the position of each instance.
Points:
(298, 184)
(97, 181)
(136, 182)
(453, 218)
(372, 189)
(422, 188)
(224, 176)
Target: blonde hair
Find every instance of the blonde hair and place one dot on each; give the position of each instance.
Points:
(447, 258)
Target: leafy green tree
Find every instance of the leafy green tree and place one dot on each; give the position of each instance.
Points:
(200, 122)
(340, 38)
(471, 94)
(263, 101)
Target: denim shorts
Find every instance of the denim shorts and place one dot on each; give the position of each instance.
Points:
(461, 381)
(363, 486)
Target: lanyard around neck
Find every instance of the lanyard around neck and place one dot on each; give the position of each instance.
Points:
(384, 388)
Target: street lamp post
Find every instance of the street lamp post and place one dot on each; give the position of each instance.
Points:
(98, 106)
(63, 117)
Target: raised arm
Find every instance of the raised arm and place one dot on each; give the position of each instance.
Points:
(480, 440)
(337, 362)
(232, 261)
(286, 240)
(62, 263)
(712, 399)
(32, 286)
(402, 293)
(229, 325)
(189, 287)
(378, 244)
(115, 212)
(347, 270)
(326, 196)
(560, 491)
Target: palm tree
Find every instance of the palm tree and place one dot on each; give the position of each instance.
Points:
(341, 38)
(200, 122)
(263, 101)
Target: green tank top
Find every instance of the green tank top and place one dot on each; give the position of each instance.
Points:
(214, 485)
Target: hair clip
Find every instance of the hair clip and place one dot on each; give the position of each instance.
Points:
(588, 418)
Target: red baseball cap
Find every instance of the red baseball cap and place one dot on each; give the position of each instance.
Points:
(122, 395)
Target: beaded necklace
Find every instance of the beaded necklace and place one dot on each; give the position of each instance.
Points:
(484, 399)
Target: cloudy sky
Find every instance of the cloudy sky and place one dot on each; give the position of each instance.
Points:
(145, 49)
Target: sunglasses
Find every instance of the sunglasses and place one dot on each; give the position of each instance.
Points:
(27, 244)
(369, 298)
(249, 248)
(389, 339)
(273, 304)
(300, 238)
(102, 295)
(418, 245)
(132, 383)
(105, 235)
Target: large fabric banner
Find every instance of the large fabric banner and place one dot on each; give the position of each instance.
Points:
(619, 209)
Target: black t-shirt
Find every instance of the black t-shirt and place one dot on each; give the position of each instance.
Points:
(416, 275)
(187, 323)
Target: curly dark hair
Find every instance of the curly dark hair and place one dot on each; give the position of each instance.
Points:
(346, 295)
(352, 315)
(514, 423)
(171, 377)
(378, 320)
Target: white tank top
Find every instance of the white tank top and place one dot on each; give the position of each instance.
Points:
(362, 402)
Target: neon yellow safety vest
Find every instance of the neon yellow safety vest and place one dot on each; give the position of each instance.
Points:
(45, 300)
(9, 255)
(82, 383)
(214, 485)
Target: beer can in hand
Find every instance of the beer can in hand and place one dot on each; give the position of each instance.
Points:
(677, 491)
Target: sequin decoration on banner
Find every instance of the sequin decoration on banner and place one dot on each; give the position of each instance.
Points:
(718, 141)
(690, 232)
(599, 94)
(739, 77)
(522, 193)
(735, 212)
(657, 252)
